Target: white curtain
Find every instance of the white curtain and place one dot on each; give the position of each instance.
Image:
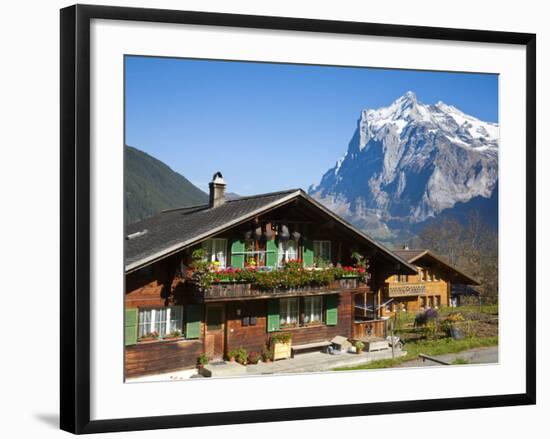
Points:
(144, 326)
(216, 250)
(161, 320)
(288, 310)
(219, 251)
(287, 251)
(313, 307)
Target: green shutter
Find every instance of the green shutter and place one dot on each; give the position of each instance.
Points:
(332, 309)
(193, 317)
(308, 253)
(237, 254)
(271, 256)
(130, 326)
(273, 315)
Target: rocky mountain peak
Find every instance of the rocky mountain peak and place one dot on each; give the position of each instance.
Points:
(408, 162)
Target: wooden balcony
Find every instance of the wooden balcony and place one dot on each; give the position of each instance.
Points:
(369, 328)
(225, 291)
(406, 289)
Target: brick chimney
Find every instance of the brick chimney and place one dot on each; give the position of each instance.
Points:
(217, 190)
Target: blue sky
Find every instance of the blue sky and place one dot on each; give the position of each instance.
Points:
(270, 127)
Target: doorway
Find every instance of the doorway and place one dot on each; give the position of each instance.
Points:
(215, 331)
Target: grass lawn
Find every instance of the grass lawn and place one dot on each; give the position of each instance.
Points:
(431, 348)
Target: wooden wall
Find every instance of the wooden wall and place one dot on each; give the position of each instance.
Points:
(323, 332)
(440, 287)
(254, 338)
(251, 337)
(160, 357)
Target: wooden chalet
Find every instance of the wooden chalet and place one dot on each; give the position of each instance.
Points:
(171, 318)
(431, 287)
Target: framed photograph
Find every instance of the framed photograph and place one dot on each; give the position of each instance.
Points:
(275, 218)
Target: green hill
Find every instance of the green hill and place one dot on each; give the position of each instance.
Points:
(150, 186)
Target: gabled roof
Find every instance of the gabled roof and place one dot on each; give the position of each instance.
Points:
(412, 256)
(174, 230)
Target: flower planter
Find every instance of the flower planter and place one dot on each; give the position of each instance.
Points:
(282, 350)
(228, 289)
(349, 282)
(456, 333)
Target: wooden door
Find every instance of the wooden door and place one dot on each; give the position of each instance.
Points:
(215, 331)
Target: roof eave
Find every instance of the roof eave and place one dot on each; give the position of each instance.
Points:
(466, 279)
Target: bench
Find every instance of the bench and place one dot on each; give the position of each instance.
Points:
(310, 346)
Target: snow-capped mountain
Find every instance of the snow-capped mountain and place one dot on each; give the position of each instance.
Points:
(409, 162)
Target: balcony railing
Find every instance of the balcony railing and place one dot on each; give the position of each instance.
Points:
(405, 290)
(241, 290)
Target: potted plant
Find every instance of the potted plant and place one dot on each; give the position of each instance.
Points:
(451, 325)
(267, 354)
(175, 334)
(253, 358)
(281, 344)
(231, 355)
(202, 361)
(242, 356)
(359, 346)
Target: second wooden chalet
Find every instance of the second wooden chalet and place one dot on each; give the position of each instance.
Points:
(430, 287)
(232, 273)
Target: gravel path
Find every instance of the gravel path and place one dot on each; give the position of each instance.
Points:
(471, 356)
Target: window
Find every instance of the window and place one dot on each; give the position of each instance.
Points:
(313, 310)
(287, 252)
(216, 251)
(437, 301)
(402, 278)
(160, 321)
(423, 302)
(254, 253)
(424, 275)
(288, 312)
(432, 277)
(321, 252)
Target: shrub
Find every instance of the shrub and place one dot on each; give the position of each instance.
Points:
(422, 318)
(451, 320)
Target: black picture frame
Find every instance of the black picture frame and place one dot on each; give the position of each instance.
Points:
(75, 217)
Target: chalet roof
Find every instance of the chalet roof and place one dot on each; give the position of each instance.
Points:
(173, 230)
(463, 290)
(414, 256)
(410, 255)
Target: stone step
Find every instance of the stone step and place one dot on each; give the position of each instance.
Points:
(223, 369)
